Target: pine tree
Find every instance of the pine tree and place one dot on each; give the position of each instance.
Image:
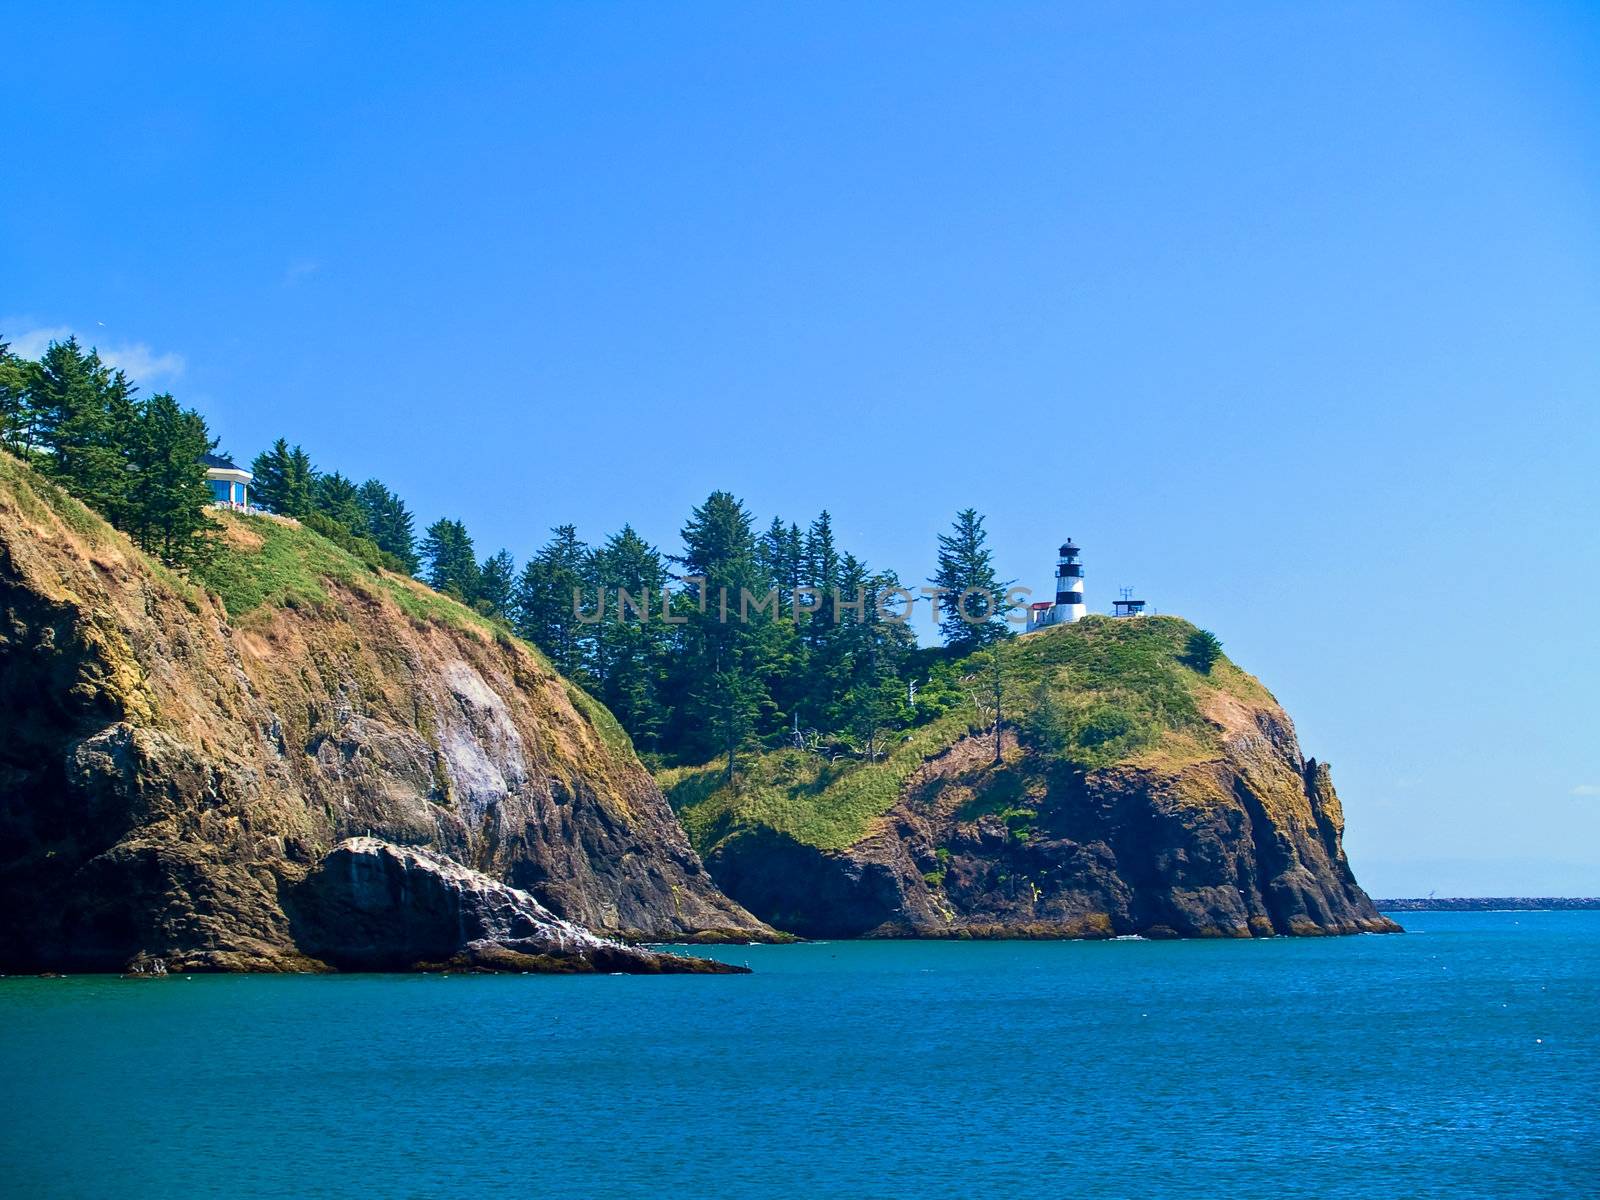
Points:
(84, 415)
(543, 606)
(284, 481)
(16, 415)
(973, 605)
(724, 658)
(496, 581)
(389, 523)
(1203, 650)
(64, 386)
(267, 471)
(299, 485)
(338, 499)
(862, 661)
(629, 655)
(822, 572)
(772, 554)
(1049, 725)
(730, 701)
(169, 499)
(452, 567)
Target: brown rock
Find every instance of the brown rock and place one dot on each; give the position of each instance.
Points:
(168, 774)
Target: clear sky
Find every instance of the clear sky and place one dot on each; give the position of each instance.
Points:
(1288, 314)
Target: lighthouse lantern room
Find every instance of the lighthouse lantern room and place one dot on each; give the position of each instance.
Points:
(1068, 606)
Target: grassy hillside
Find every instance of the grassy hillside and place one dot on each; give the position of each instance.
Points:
(267, 563)
(42, 502)
(1115, 691)
(264, 564)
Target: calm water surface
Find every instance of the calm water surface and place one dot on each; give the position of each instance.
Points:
(1459, 1060)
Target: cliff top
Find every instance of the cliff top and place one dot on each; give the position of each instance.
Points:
(1098, 693)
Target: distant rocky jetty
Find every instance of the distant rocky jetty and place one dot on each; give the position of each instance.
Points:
(1488, 903)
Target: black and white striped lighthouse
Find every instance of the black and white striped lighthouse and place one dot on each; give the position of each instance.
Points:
(1069, 586)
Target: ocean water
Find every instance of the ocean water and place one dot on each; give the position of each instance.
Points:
(1459, 1060)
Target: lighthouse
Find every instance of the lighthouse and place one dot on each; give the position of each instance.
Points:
(1069, 586)
(1068, 606)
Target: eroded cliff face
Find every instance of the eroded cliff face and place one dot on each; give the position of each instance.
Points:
(1242, 840)
(169, 776)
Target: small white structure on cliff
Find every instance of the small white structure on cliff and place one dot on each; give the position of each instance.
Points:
(229, 482)
(1068, 606)
(1127, 606)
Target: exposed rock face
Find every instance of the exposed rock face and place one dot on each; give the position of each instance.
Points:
(169, 777)
(1243, 844)
(373, 906)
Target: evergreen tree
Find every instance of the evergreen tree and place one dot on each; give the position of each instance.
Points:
(772, 553)
(168, 502)
(629, 655)
(795, 551)
(542, 604)
(16, 415)
(496, 581)
(1203, 650)
(863, 662)
(872, 708)
(65, 385)
(822, 573)
(1049, 725)
(832, 642)
(84, 415)
(338, 499)
(267, 472)
(452, 567)
(973, 605)
(724, 656)
(389, 523)
(300, 485)
(730, 701)
(284, 481)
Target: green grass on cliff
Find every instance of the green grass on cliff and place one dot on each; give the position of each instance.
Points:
(1123, 692)
(267, 563)
(40, 499)
(286, 570)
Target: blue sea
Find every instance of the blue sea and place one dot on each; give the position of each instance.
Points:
(1461, 1059)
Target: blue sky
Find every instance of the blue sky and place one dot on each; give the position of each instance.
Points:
(1289, 315)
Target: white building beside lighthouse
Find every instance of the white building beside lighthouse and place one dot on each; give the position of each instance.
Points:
(1068, 605)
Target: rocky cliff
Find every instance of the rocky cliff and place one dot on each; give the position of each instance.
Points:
(1139, 791)
(373, 906)
(178, 761)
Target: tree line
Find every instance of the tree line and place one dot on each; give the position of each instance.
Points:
(366, 518)
(136, 461)
(668, 642)
(742, 640)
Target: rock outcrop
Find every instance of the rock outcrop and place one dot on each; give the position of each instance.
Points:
(1210, 823)
(372, 906)
(174, 771)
